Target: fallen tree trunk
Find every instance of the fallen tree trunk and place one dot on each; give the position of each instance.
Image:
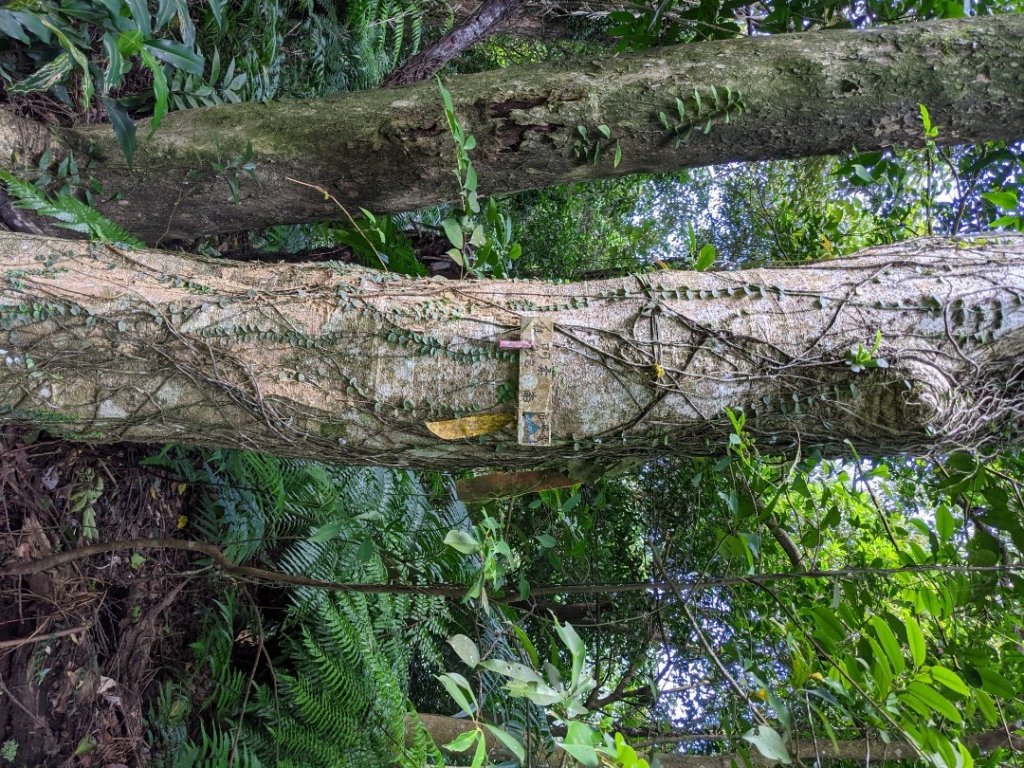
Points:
(390, 149)
(906, 348)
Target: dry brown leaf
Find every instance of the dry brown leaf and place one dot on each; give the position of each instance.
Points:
(469, 426)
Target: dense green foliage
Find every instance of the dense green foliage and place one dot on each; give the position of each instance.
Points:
(335, 692)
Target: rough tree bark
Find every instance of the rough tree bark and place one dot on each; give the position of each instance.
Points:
(476, 27)
(344, 363)
(390, 150)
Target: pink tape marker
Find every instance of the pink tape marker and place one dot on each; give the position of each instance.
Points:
(510, 344)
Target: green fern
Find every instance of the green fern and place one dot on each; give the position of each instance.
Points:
(69, 212)
(384, 32)
(340, 689)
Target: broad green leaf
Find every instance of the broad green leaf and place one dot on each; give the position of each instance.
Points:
(446, 97)
(582, 753)
(464, 542)
(944, 523)
(165, 11)
(327, 531)
(915, 639)
(159, 90)
(944, 747)
(469, 143)
(217, 11)
(366, 550)
(124, 126)
(828, 623)
(511, 742)
(463, 741)
(966, 758)
(79, 58)
(996, 684)
(963, 462)
(43, 79)
(480, 756)
(987, 707)
(935, 700)
(581, 733)
(950, 679)
(177, 55)
(880, 669)
(453, 230)
(528, 646)
(889, 644)
(11, 26)
(926, 119)
(576, 647)
(114, 72)
(129, 42)
(917, 705)
(863, 174)
(769, 743)
(466, 649)
(512, 670)
(1006, 221)
(705, 258)
(139, 10)
(459, 689)
(1005, 200)
(33, 24)
(541, 694)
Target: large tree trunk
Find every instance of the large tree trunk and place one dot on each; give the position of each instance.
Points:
(337, 362)
(390, 150)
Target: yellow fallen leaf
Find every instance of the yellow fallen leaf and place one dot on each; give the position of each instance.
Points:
(469, 426)
(182, 521)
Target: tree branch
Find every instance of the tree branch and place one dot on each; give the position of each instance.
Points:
(23, 568)
(474, 28)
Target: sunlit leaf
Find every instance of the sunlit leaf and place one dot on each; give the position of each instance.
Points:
(466, 649)
(769, 743)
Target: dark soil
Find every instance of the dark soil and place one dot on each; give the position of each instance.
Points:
(82, 644)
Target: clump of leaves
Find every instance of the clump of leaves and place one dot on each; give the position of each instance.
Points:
(482, 247)
(590, 148)
(860, 357)
(128, 34)
(697, 112)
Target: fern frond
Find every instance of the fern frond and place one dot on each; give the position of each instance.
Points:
(69, 212)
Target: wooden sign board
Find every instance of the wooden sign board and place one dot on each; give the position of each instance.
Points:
(536, 381)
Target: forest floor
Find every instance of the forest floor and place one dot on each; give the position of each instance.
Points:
(81, 644)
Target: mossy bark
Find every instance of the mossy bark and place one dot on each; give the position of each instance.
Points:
(390, 150)
(336, 362)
